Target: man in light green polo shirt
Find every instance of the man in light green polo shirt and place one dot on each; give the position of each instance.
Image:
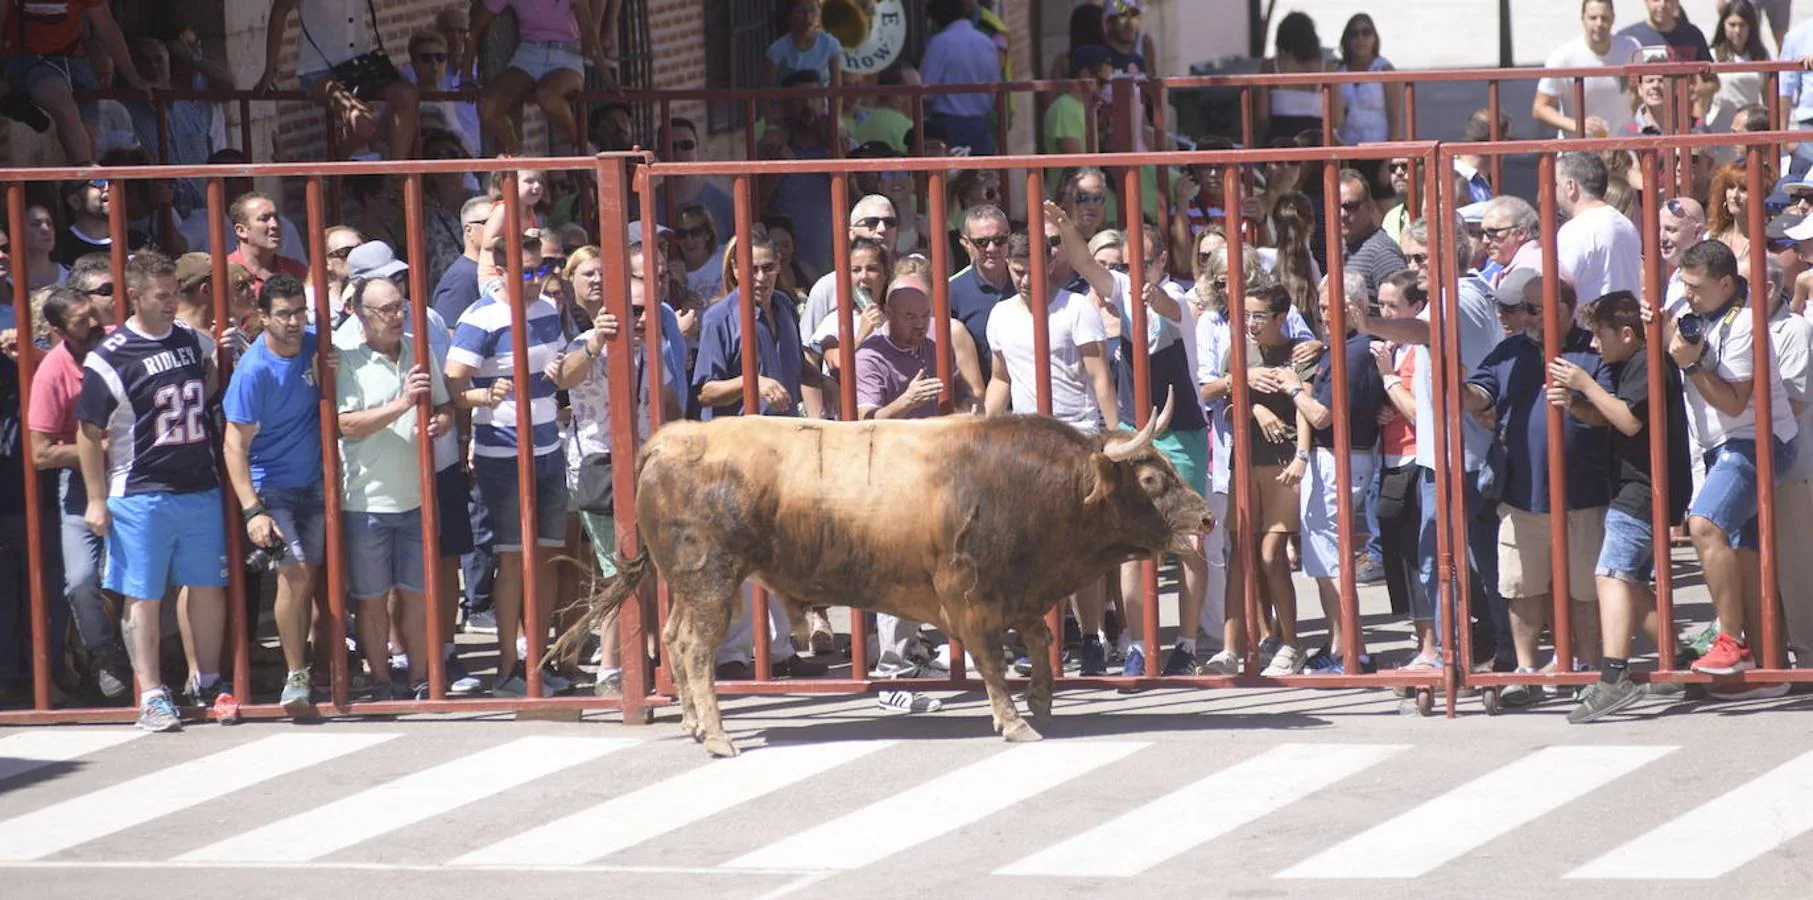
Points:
(377, 387)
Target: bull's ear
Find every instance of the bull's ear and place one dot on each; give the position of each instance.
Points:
(1104, 474)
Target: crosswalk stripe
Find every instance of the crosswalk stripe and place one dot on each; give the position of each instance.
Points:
(113, 809)
(39, 747)
(407, 800)
(1752, 819)
(1421, 840)
(1194, 815)
(944, 804)
(668, 805)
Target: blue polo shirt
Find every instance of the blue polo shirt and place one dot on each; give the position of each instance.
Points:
(1365, 394)
(972, 299)
(778, 352)
(1513, 375)
(280, 396)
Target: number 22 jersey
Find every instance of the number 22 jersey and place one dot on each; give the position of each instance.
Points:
(150, 395)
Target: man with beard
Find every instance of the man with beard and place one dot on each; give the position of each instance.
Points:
(88, 203)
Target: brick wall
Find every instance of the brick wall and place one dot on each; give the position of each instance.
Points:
(676, 32)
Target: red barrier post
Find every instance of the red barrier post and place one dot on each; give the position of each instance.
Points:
(34, 512)
(1243, 541)
(1771, 634)
(1040, 303)
(334, 582)
(1442, 261)
(1142, 390)
(526, 498)
(427, 475)
(846, 377)
(1579, 109)
(1661, 519)
(1450, 459)
(1351, 644)
(944, 360)
(234, 524)
(613, 242)
(752, 401)
(1552, 334)
(245, 128)
(1496, 133)
(1410, 114)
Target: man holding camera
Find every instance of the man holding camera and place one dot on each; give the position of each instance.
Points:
(273, 454)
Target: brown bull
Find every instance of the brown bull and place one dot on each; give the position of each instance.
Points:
(976, 525)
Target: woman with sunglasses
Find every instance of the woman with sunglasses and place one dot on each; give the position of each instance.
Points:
(1370, 112)
(701, 255)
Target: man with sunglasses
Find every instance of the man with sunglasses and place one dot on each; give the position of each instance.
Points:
(682, 136)
(975, 290)
(89, 203)
(1509, 227)
(457, 288)
(431, 68)
(1367, 249)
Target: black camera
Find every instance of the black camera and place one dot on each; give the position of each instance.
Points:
(265, 560)
(1692, 327)
(19, 106)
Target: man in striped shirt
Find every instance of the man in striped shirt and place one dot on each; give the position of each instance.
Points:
(482, 363)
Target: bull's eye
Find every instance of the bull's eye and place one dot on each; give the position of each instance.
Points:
(1150, 482)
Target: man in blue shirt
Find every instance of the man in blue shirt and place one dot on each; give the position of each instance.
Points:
(959, 54)
(458, 288)
(974, 291)
(273, 455)
(1508, 389)
(717, 379)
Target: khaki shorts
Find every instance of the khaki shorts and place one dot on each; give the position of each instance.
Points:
(1275, 505)
(1523, 552)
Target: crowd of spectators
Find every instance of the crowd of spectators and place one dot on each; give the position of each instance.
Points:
(127, 407)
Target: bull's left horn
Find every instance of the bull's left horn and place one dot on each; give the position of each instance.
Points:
(1121, 451)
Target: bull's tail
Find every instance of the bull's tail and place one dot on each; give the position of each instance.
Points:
(605, 600)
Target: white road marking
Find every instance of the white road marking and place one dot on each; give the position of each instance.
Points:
(1722, 834)
(1446, 827)
(1198, 813)
(413, 798)
(937, 807)
(24, 751)
(131, 803)
(668, 805)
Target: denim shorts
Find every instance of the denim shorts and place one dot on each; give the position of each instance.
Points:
(383, 551)
(497, 485)
(27, 71)
(1727, 499)
(1629, 551)
(1318, 499)
(161, 540)
(301, 516)
(541, 58)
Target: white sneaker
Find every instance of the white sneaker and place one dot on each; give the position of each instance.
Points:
(1223, 663)
(1287, 661)
(908, 702)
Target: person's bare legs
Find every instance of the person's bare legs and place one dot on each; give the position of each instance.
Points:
(1328, 590)
(54, 95)
(206, 612)
(186, 630)
(1619, 605)
(1133, 600)
(140, 630)
(554, 94)
(295, 601)
(500, 99)
(1587, 641)
(1193, 578)
(1723, 568)
(1527, 617)
(1280, 594)
(404, 118)
(506, 601)
(374, 631)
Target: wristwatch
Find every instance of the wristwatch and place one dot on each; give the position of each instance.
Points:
(1293, 392)
(1695, 368)
(1303, 455)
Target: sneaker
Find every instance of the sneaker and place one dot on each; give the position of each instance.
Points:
(383, 690)
(609, 685)
(419, 690)
(1369, 571)
(893, 670)
(158, 714)
(1701, 642)
(482, 622)
(1602, 698)
(459, 681)
(1222, 663)
(515, 686)
(1094, 658)
(1522, 694)
(1325, 663)
(554, 683)
(1134, 666)
(296, 699)
(796, 666)
(111, 673)
(1269, 647)
(823, 640)
(908, 702)
(1749, 692)
(1180, 661)
(1726, 657)
(1287, 660)
(399, 662)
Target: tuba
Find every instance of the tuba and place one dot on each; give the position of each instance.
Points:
(873, 32)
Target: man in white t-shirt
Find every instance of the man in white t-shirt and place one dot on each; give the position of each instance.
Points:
(1713, 345)
(1082, 389)
(1598, 249)
(1608, 108)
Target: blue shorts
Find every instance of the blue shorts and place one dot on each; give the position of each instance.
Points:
(497, 486)
(163, 540)
(452, 491)
(1629, 551)
(27, 71)
(301, 516)
(1318, 501)
(383, 551)
(542, 58)
(1727, 498)
(1189, 452)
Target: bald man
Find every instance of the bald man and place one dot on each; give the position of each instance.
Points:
(1683, 222)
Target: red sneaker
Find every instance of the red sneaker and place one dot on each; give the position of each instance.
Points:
(1727, 657)
(225, 708)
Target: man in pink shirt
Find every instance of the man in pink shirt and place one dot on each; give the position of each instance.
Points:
(1510, 228)
(76, 324)
(259, 229)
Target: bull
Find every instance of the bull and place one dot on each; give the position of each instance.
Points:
(976, 525)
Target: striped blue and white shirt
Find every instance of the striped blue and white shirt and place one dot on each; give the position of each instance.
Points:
(483, 340)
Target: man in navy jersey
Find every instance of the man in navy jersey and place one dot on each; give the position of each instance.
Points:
(153, 489)
(273, 454)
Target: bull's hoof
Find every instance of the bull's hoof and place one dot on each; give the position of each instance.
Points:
(720, 746)
(997, 726)
(1022, 733)
(1040, 711)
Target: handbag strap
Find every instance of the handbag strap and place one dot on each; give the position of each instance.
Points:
(377, 34)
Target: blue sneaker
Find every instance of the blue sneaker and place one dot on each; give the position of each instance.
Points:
(1325, 664)
(1094, 659)
(159, 714)
(1135, 664)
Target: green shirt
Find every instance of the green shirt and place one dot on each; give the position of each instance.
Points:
(1064, 118)
(380, 472)
(886, 125)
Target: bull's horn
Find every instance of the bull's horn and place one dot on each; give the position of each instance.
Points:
(1121, 451)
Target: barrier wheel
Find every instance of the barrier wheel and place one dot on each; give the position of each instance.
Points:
(1488, 698)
